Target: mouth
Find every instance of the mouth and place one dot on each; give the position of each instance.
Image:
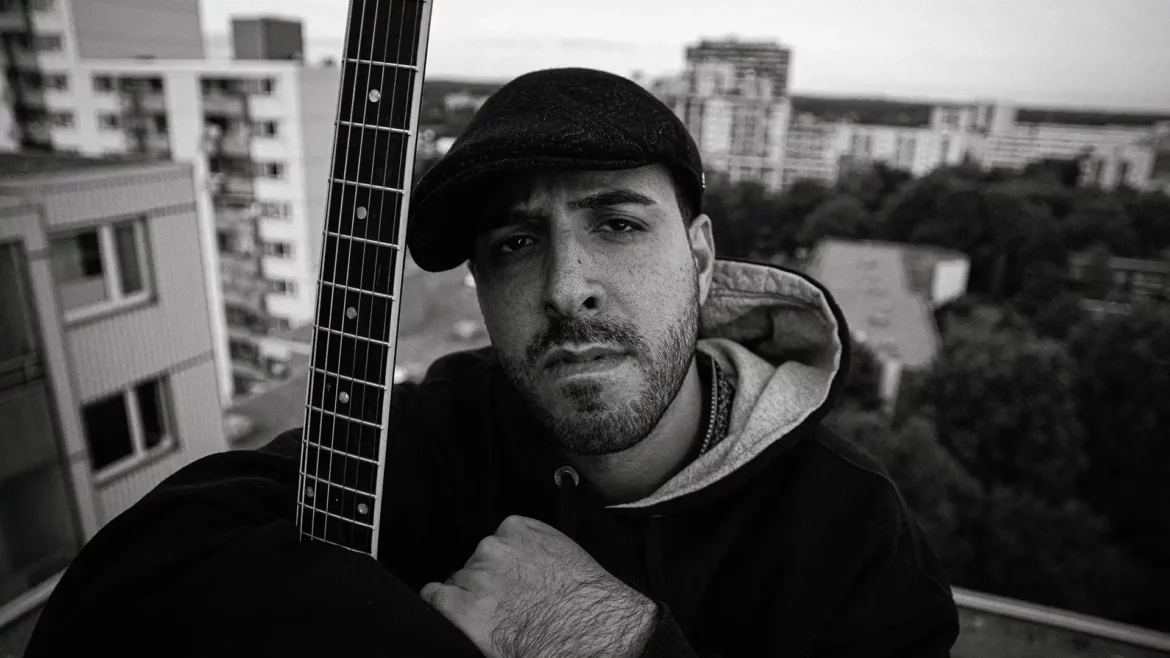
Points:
(583, 359)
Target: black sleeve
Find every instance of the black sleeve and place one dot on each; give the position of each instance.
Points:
(210, 563)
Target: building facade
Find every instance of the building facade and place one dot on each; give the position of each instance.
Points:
(107, 372)
(733, 100)
(258, 133)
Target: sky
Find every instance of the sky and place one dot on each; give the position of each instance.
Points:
(1090, 53)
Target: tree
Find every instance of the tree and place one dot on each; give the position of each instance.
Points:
(1123, 391)
(1149, 214)
(794, 206)
(1099, 217)
(840, 217)
(873, 185)
(741, 216)
(1004, 404)
(863, 387)
(1046, 301)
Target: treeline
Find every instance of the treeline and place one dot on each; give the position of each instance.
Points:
(1036, 451)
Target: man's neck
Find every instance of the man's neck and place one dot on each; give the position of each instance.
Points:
(638, 472)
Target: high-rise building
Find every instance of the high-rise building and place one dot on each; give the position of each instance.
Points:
(733, 100)
(40, 39)
(267, 37)
(107, 371)
(258, 133)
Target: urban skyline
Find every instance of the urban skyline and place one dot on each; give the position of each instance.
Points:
(1084, 53)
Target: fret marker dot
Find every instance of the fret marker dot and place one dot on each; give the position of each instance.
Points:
(351, 312)
(363, 509)
(361, 212)
(308, 492)
(343, 396)
(375, 95)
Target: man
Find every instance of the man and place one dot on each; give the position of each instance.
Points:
(600, 482)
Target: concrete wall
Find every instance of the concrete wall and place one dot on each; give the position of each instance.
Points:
(166, 29)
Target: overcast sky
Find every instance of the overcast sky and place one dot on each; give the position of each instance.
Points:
(1109, 53)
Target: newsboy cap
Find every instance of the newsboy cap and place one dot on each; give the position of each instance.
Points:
(563, 118)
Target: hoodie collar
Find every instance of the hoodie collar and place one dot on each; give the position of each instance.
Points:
(783, 342)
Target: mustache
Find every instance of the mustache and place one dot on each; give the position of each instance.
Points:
(583, 331)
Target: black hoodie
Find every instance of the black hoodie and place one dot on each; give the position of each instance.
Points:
(782, 540)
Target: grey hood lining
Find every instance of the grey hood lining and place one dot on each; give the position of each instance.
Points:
(776, 335)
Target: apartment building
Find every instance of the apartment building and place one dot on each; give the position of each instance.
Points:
(40, 39)
(107, 372)
(258, 134)
(733, 100)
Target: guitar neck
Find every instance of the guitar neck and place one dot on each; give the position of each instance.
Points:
(343, 446)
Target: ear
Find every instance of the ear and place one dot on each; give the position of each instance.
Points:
(703, 252)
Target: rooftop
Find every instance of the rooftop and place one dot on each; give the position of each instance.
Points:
(883, 289)
(21, 164)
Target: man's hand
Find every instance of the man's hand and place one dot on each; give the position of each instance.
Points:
(529, 591)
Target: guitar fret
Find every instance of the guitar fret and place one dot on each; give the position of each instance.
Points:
(381, 295)
(354, 336)
(408, 67)
(326, 541)
(362, 240)
(368, 186)
(337, 486)
(337, 516)
(347, 379)
(354, 124)
(355, 420)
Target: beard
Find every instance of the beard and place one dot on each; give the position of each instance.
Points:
(591, 425)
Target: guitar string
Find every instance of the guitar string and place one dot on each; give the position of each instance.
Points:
(369, 221)
(394, 305)
(349, 529)
(329, 315)
(414, 79)
(303, 508)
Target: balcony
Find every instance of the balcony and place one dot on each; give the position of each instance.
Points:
(223, 103)
(233, 185)
(233, 217)
(232, 143)
(143, 102)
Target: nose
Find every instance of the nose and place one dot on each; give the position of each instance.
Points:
(572, 288)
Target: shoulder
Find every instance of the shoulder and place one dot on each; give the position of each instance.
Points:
(842, 483)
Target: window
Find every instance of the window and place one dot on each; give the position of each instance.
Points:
(47, 43)
(264, 128)
(266, 86)
(276, 209)
(100, 268)
(55, 81)
(129, 426)
(109, 121)
(62, 119)
(103, 83)
(278, 249)
(281, 324)
(283, 287)
(272, 169)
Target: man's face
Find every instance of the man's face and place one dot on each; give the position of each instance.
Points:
(590, 284)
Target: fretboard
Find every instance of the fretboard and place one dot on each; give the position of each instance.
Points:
(343, 450)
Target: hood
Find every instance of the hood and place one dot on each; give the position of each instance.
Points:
(784, 342)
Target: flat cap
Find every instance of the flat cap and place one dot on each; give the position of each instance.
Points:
(564, 118)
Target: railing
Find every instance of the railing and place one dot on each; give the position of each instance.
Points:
(1085, 625)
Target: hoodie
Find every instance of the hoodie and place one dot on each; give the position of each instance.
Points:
(783, 539)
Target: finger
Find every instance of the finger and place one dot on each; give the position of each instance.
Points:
(439, 596)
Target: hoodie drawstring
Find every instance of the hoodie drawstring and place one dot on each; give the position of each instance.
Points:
(567, 480)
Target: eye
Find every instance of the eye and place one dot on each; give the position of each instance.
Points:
(513, 243)
(620, 225)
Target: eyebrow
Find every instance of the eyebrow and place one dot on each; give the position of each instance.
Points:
(610, 198)
(597, 200)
